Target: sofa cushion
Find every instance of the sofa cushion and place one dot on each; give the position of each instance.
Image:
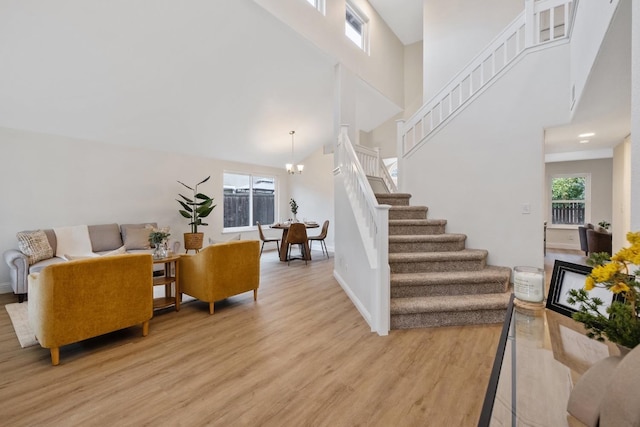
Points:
(73, 240)
(35, 245)
(105, 237)
(124, 228)
(137, 238)
(38, 266)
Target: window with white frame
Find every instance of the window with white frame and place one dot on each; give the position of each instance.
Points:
(570, 199)
(248, 199)
(355, 26)
(318, 4)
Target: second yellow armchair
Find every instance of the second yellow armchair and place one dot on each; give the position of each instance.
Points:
(220, 271)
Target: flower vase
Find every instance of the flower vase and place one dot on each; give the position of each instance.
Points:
(160, 251)
(295, 218)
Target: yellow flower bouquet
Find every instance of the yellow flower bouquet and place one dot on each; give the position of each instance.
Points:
(622, 325)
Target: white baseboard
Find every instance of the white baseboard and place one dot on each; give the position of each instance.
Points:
(354, 299)
(5, 288)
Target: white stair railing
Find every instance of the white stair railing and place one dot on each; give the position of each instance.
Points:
(373, 224)
(541, 22)
(373, 165)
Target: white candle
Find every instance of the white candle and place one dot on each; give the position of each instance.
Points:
(528, 284)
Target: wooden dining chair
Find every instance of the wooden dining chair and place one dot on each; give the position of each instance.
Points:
(320, 237)
(297, 235)
(267, 240)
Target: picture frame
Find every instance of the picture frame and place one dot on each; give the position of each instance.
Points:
(567, 276)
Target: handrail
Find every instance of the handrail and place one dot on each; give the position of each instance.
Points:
(374, 166)
(522, 33)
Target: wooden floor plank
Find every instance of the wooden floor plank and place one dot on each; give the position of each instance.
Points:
(300, 356)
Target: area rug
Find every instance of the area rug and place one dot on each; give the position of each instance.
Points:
(19, 318)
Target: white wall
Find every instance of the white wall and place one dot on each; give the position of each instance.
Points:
(635, 119)
(313, 191)
(480, 169)
(56, 181)
(455, 31)
(381, 67)
(591, 23)
(601, 171)
(621, 194)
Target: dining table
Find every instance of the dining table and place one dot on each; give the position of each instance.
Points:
(284, 226)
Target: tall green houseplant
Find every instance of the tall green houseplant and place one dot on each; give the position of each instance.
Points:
(196, 207)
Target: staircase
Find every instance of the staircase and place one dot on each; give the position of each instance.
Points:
(435, 279)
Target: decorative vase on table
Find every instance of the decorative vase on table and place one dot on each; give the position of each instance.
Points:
(160, 251)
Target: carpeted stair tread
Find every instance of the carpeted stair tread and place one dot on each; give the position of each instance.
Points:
(488, 280)
(408, 212)
(466, 254)
(417, 222)
(439, 277)
(450, 303)
(393, 199)
(413, 238)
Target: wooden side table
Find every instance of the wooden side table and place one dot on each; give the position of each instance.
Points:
(170, 263)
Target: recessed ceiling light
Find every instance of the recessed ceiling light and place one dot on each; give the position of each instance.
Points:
(584, 141)
(586, 135)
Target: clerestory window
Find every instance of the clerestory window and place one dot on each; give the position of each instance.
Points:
(356, 27)
(318, 4)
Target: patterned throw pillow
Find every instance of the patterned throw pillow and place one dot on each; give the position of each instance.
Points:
(35, 245)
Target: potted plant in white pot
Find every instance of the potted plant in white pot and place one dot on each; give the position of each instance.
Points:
(194, 209)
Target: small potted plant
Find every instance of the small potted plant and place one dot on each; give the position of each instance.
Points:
(195, 208)
(158, 239)
(294, 209)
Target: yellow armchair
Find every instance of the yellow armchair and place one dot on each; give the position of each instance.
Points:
(221, 270)
(76, 300)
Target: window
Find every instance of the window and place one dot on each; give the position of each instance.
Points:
(356, 27)
(248, 199)
(570, 197)
(318, 4)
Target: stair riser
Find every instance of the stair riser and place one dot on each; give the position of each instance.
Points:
(393, 201)
(451, 246)
(409, 230)
(437, 266)
(400, 291)
(447, 318)
(408, 214)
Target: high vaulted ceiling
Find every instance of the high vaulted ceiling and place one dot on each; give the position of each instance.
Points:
(217, 79)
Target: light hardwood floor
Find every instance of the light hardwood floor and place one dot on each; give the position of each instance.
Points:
(300, 356)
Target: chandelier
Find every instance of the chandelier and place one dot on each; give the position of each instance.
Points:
(290, 166)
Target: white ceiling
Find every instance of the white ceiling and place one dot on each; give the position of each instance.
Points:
(163, 78)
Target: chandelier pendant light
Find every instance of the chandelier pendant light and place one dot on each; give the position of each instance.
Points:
(290, 166)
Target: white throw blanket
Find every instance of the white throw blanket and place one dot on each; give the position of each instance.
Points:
(73, 241)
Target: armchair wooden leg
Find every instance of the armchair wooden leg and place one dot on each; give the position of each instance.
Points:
(55, 356)
(255, 295)
(211, 307)
(145, 328)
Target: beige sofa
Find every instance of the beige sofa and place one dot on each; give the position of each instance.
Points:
(105, 238)
(81, 299)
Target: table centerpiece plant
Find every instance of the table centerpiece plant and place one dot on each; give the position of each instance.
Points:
(158, 239)
(194, 208)
(622, 325)
(294, 209)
